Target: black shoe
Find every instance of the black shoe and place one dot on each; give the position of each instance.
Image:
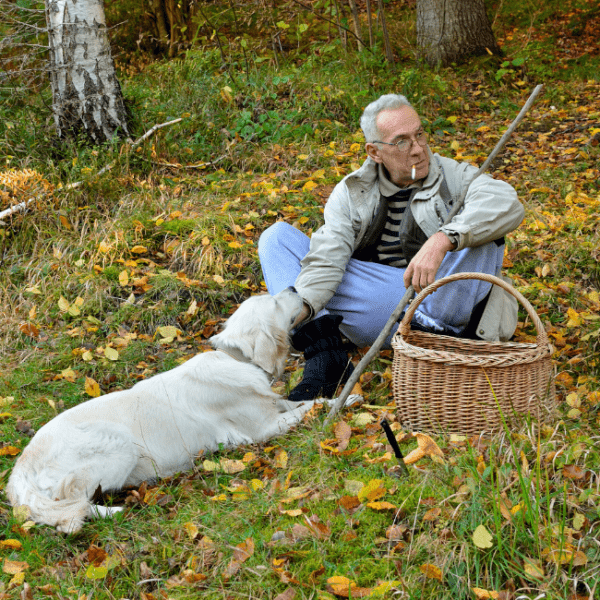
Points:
(327, 364)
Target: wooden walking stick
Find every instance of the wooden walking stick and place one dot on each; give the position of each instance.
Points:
(395, 316)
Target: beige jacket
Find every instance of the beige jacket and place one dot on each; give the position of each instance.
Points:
(491, 210)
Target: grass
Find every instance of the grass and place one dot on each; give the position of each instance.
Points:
(167, 241)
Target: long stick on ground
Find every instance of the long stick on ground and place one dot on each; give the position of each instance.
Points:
(23, 205)
(395, 316)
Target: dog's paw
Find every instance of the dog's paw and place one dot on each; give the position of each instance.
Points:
(354, 399)
(351, 400)
(69, 525)
(97, 511)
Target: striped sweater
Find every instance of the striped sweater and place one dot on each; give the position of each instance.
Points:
(389, 251)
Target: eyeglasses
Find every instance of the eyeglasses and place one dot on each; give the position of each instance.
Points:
(405, 144)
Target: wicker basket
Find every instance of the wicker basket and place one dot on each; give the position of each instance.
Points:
(453, 385)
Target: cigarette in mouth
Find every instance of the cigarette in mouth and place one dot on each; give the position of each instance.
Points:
(413, 173)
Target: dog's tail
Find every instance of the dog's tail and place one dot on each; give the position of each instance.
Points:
(67, 512)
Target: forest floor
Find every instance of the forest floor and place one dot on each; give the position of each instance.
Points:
(132, 272)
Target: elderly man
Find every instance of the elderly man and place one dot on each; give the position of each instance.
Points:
(383, 231)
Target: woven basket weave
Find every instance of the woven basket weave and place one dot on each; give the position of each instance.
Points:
(452, 385)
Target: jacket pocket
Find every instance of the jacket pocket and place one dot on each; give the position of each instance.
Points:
(500, 316)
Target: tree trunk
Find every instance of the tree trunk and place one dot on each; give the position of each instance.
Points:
(173, 20)
(386, 38)
(86, 96)
(158, 9)
(448, 31)
(356, 22)
(370, 22)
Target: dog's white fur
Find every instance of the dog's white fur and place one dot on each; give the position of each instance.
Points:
(160, 425)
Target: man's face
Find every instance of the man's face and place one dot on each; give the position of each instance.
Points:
(394, 125)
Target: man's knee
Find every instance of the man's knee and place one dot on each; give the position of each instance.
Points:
(278, 231)
(275, 236)
(284, 242)
(269, 236)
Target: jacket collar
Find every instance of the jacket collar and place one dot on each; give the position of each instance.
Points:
(368, 174)
(364, 177)
(388, 188)
(435, 171)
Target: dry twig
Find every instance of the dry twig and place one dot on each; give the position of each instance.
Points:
(22, 206)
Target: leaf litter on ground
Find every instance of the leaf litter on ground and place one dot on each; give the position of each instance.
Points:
(511, 514)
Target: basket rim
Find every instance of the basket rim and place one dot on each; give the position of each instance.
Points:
(542, 336)
(520, 353)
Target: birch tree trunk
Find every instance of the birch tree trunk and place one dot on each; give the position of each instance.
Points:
(451, 30)
(86, 95)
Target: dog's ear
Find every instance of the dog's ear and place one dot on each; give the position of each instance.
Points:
(269, 351)
(264, 348)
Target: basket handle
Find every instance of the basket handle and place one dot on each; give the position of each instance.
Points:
(404, 328)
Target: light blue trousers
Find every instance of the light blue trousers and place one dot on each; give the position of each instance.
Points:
(369, 292)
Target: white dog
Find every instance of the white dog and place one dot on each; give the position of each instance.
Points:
(160, 425)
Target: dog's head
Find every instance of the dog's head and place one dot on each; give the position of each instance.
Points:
(259, 329)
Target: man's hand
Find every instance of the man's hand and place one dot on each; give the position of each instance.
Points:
(422, 268)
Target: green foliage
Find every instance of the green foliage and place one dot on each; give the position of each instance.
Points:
(508, 68)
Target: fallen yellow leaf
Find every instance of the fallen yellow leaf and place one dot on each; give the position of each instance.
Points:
(345, 588)
(295, 512)
(9, 451)
(68, 375)
(533, 568)
(482, 594)
(21, 513)
(565, 556)
(431, 571)
(12, 567)
(381, 505)
(575, 320)
(91, 387)
(232, 466)
(362, 419)
(373, 490)
(63, 304)
(96, 572)
(191, 530)
(111, 354)
(482, 538)
(167, 331)
(426, 447)
(17, 580)
(281, 459)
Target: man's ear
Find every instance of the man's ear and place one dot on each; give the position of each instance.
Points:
(373, 152)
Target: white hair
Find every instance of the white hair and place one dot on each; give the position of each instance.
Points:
(368, 121)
